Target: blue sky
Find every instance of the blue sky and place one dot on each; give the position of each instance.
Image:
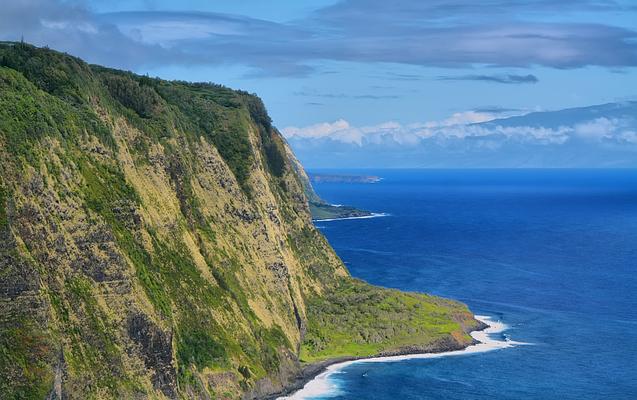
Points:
(366, 62)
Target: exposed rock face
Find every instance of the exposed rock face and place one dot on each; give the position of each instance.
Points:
(155, 347)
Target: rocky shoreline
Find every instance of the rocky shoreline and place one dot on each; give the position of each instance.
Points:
(311, 371)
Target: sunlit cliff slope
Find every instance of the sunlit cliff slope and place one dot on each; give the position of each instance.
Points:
(156, 242)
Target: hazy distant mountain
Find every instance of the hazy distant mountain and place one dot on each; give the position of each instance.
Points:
(596, 136)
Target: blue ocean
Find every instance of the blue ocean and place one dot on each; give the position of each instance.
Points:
(551, 253)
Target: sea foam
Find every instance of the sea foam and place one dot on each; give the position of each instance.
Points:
(373, 215)
(323, 386)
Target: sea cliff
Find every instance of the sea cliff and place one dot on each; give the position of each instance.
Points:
(156, 241)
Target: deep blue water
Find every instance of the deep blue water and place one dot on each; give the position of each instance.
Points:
(552, 253)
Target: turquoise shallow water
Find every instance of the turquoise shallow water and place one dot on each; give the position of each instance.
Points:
(552, 253)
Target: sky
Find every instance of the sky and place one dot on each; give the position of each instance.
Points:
(361, 65)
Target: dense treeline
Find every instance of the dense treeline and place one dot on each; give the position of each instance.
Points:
(200, 109)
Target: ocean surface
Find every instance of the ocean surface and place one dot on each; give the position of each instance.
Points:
(550, 253)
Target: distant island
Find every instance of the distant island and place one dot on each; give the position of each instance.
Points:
(338, 178)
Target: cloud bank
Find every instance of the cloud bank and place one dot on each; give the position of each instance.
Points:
(601, 136)
(434, 33)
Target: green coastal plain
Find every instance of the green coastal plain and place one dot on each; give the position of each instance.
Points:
(156, 242)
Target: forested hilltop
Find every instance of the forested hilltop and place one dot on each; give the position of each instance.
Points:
(156, 242)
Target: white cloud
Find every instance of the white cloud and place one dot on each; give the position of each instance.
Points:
(342, 131)
(338, 130)
(596, 136)
(628, 136)
(176, 28)
(466, 125)
(85, 27)
(464, 118)
(598, 128)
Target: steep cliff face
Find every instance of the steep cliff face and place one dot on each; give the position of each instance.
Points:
(319, 208)
(155, 239)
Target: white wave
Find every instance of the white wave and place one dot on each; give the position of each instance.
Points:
(373, 215)
(323, 386)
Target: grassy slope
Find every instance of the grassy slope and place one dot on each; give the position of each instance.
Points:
(156, 242)
(356, 319)
(327, 211)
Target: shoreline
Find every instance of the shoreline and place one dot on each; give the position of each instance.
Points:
(314, 378)
(372, 215)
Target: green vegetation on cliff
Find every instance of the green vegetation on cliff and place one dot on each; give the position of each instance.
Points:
(356, 319)
(156, 242)
(322, 210)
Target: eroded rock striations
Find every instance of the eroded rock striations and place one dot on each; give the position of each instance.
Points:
(156, 242)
